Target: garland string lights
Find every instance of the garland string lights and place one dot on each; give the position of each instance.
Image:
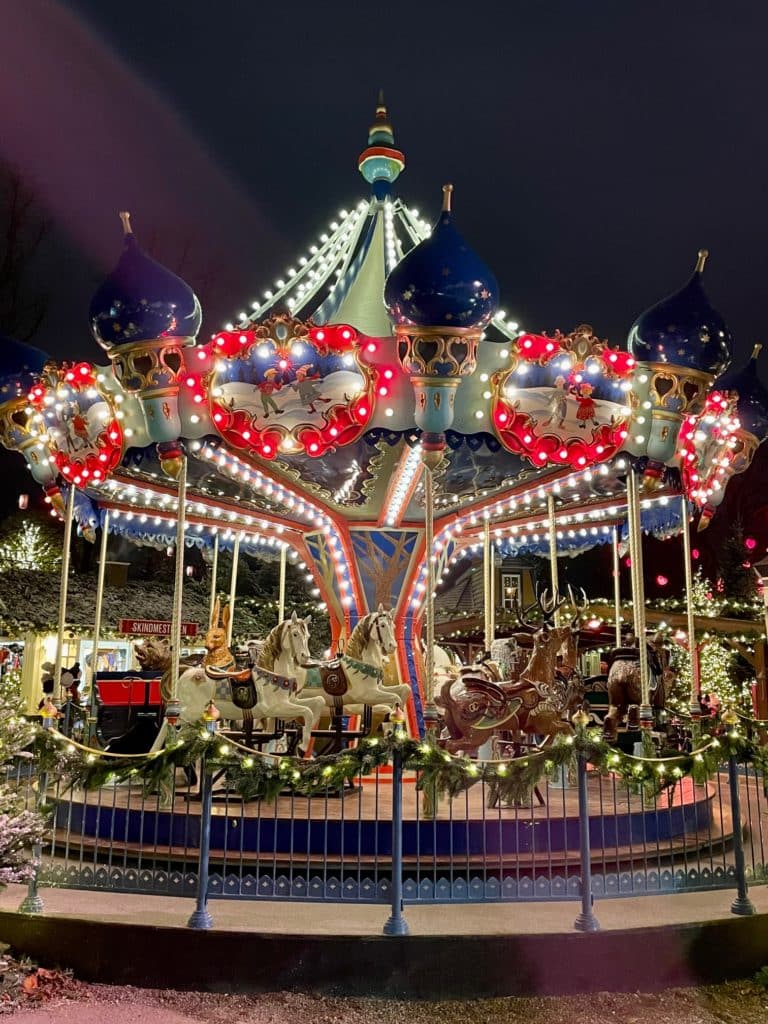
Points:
(263, 776)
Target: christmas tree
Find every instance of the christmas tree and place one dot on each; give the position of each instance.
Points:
(20, 824)
(720, 671)
(26, 545)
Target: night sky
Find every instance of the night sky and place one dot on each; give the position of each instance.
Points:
(594, 146)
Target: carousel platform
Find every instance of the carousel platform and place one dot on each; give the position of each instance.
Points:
(645, 943)
(329, 829)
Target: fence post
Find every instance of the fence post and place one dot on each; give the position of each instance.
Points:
(201, 918)
(586, 921)
(742, 905)
(33, 901)
(396, 923)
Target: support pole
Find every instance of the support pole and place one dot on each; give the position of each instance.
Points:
(396, 923)
(178, 589)
(693, 650)
(616, 584)
(742, 905)
(553, 574)
(488, 588)
(97, 626)
(69, 515)
(638, 594)
(201, 917)
(429, 607)
(586, 921)
(214, 575)
(281, 592)
(233, 588)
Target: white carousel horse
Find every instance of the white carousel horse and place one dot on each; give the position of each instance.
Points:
(356, 678)
(276, 693)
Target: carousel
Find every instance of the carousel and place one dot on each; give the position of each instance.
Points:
(376, 417)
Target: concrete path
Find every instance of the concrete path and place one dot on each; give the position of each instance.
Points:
(366, 920)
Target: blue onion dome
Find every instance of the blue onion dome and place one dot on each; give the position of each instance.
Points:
(142, 300)
(684, 330)
(441, 282)
(20, 365)
(752, 406)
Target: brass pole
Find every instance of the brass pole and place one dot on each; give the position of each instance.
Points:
(638, 593)
(178, 583)
(233, 589)
(97, 625)
(488, 595)
(693, 649)
(69, 515)
(214, 575)
(281, 592)
(617, 585)
(553, 574)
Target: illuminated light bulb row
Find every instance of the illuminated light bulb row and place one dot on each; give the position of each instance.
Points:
(312, 270)
(403, 485)
(250, 539)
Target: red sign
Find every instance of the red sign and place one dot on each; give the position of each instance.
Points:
(153, 627)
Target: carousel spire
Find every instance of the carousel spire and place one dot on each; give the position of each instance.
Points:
(380, 164)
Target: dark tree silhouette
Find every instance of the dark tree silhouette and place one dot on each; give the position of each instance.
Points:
(23, 230)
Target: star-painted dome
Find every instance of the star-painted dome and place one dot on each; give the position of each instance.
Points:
(442, 282)
(752, 406)
(20, 364)
(684, 330)
(142, 300)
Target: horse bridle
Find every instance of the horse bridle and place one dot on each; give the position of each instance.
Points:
(377, 616)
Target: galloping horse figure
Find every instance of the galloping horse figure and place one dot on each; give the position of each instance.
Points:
(260, 694)
(624, 684)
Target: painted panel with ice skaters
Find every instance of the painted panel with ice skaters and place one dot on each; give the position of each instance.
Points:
(289, 388)
(77, 422)
(564, 400)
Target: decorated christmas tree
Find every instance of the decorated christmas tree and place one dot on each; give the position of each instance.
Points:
(27, 545)
(20, 824)
(720, 672)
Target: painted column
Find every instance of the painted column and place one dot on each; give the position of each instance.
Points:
(616, 584)
(65, 559)
(97, 625)
(233, 588)
(214, 574)
(430, 711)
(693, 650)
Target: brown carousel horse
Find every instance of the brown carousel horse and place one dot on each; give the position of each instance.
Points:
(479, 704)
(625, 688)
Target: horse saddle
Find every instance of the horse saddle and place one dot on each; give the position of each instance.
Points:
(242, 687)
(333, 678)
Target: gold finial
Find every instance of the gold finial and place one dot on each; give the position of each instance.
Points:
(447, 190)
(703, 254)
(125, 217)
(756, 351)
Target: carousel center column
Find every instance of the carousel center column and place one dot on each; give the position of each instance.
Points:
(440, 296)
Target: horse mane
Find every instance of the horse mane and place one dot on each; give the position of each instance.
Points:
(271, 648)
(360, 637)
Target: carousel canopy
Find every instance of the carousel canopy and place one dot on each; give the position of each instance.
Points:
(304, 418)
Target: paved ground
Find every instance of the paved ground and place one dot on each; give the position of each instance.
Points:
(363, 919)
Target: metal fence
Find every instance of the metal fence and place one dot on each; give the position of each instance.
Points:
(580, 836)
